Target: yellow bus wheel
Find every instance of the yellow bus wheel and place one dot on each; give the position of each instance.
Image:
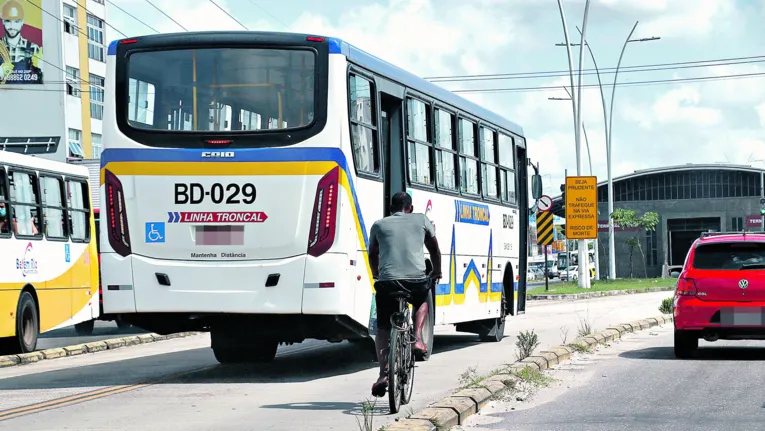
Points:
(27, 324)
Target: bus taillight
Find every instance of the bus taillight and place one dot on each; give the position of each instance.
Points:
(324, 215)
(119, 235)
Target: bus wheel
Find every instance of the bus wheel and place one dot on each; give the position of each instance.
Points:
(121, 324)
(27, 324)
(496, 332)
(84, 329)
(428, 332)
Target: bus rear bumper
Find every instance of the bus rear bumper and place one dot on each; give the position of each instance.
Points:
(296, 285)
(294, 298)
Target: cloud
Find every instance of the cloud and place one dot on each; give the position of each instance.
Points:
(679, 19)
(678, 106)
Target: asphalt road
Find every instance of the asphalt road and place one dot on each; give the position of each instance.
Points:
(68, 337)
(637, 384)
(178, 385)
(106, 330)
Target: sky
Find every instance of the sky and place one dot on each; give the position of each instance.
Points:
(654, 125)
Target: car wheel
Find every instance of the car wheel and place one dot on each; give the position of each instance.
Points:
(685, 344)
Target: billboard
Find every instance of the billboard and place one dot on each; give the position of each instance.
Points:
(21, 40)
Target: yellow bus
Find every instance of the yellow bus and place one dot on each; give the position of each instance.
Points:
(48, 254)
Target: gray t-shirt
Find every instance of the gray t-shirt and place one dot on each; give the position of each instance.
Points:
(401, 238)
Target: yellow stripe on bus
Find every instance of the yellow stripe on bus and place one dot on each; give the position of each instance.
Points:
(214, 169)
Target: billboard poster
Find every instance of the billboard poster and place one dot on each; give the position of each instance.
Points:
(21, 42)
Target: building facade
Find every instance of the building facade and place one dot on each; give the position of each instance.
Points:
(53, 65)
(689, 199)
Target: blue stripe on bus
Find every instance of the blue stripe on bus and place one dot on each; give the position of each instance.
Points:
(112, 50)
(160, 155)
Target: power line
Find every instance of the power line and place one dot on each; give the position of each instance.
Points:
(229, 15)
(621, 84)
(132, 16)
(269, 14)
(168, 16)
(642, 68)
(532, 89)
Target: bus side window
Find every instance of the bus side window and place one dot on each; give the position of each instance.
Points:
(5, 210)
(25, 203)
(78, 207)
(53, 207)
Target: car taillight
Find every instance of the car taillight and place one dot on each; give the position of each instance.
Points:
(119, 235)
(324, 215)
(686, 287)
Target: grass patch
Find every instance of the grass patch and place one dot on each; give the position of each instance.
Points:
(580, 348)
(534, 377)
(572, 287)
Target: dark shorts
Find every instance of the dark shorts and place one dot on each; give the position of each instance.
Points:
(386, 305)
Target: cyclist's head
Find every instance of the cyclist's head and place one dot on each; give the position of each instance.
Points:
(401, 202)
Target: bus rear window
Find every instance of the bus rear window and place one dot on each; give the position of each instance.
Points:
(221, 89)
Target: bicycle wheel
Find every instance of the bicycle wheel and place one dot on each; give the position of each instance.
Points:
(408, 368)
(394, 370)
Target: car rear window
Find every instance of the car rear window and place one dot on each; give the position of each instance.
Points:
(730, 255)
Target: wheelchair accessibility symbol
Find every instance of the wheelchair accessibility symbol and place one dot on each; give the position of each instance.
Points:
(155, 232)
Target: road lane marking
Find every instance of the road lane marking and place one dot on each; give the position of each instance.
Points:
(90, 396)
(67, 401)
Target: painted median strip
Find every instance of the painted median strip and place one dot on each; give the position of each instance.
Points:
(455, 409)
(92, 347)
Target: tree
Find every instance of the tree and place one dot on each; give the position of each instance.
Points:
(628, 219)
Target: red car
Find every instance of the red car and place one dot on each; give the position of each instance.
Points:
(720, 292)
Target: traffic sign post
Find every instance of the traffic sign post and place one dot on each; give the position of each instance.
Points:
(545, 236)
(582, 207)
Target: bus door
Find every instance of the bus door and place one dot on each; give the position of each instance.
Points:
(392, 139)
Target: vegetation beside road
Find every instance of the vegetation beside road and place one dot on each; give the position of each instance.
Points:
(572, 287)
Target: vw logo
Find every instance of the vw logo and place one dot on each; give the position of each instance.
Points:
(743, 284)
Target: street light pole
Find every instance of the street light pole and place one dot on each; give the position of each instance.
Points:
(584, 279)
(609, 154)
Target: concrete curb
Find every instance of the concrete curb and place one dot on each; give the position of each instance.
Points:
(455, 409)
(92, 347)
(598, 294)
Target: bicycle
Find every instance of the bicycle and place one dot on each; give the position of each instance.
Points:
(401, 360)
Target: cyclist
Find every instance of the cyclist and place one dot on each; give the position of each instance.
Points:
(398, 263)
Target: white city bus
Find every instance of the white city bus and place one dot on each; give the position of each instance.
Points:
(48, 256)
(241, 173)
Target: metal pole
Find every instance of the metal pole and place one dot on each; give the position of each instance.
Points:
(546, 277)
(571, 75)
(762, 196)
(568, 249)
(609, 154)
(608, 151)
(584, 276)
(595, 242)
